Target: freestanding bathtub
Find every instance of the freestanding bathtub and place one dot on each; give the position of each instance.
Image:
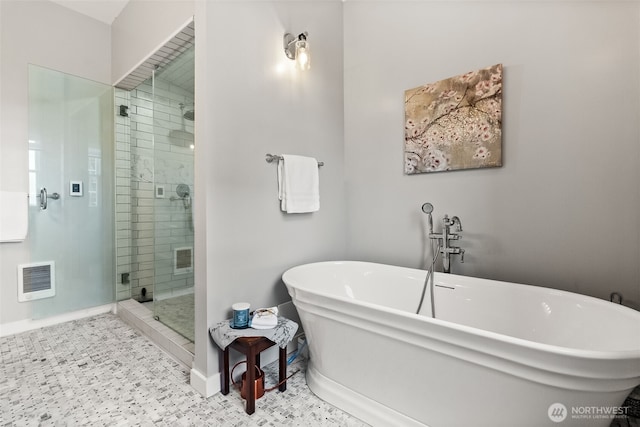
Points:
(497, 354)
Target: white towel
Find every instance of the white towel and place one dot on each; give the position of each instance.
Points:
(14, 216)
(298, 184)
(264, 318)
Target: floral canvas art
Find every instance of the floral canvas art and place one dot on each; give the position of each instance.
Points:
(455, 123)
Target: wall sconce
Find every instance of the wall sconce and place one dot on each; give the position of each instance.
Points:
(297, 49)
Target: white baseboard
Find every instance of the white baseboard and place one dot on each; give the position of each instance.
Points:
(203, 385)
(13, 328)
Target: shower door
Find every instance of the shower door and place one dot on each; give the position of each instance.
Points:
(173, 158)
(71, 189)
(154, 193)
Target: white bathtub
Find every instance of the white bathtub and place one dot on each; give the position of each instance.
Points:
(498, 353)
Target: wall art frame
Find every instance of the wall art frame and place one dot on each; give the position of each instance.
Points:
(455, 123)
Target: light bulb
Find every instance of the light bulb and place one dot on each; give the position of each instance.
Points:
(303, 56)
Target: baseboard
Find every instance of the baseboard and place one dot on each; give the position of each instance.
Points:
(205, 386)
(20, 326)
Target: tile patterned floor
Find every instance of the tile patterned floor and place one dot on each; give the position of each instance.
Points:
(101, 372)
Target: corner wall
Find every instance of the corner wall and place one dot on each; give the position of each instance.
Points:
(563, 210)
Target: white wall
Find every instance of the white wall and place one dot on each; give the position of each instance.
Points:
(257, 108)
(563, 210)
(45, 34)
(252, 104)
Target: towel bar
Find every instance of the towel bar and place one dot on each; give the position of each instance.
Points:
(270, 158)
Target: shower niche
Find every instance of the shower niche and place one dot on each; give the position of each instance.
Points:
(155, 148)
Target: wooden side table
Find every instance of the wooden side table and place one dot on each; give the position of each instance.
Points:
(251, 347)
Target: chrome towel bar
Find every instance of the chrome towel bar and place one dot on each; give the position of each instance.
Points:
(270, 158)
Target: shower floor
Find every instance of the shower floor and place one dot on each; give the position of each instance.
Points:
(141, 317)
(178, 313)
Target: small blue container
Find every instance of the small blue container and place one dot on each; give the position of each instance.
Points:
(240, 315)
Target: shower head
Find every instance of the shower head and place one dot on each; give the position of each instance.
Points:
(189, 114)
(182, 137)
(184, 193)
(183, 190)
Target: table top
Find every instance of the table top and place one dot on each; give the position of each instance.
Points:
(223, 334)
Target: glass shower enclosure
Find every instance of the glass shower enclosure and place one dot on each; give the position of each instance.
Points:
(154, 209)
(70, 194)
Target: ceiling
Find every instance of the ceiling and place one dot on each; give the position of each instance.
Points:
(102, 10)
(173, 61)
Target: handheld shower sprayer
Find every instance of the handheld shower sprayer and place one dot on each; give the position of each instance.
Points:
(428, 208)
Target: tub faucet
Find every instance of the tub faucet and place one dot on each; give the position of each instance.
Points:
(456, 221)
(446, 249)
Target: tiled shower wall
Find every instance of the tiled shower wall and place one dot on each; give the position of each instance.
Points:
(174, 158)
(123, 194)
(154, 154)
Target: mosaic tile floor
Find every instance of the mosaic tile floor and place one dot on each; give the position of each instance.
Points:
(101, 372)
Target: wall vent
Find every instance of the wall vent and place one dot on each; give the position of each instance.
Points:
(36, 280)
(183, 260)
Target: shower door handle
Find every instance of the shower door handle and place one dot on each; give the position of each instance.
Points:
(44, 196)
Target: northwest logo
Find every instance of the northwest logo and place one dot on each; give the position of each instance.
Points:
(557, 412)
